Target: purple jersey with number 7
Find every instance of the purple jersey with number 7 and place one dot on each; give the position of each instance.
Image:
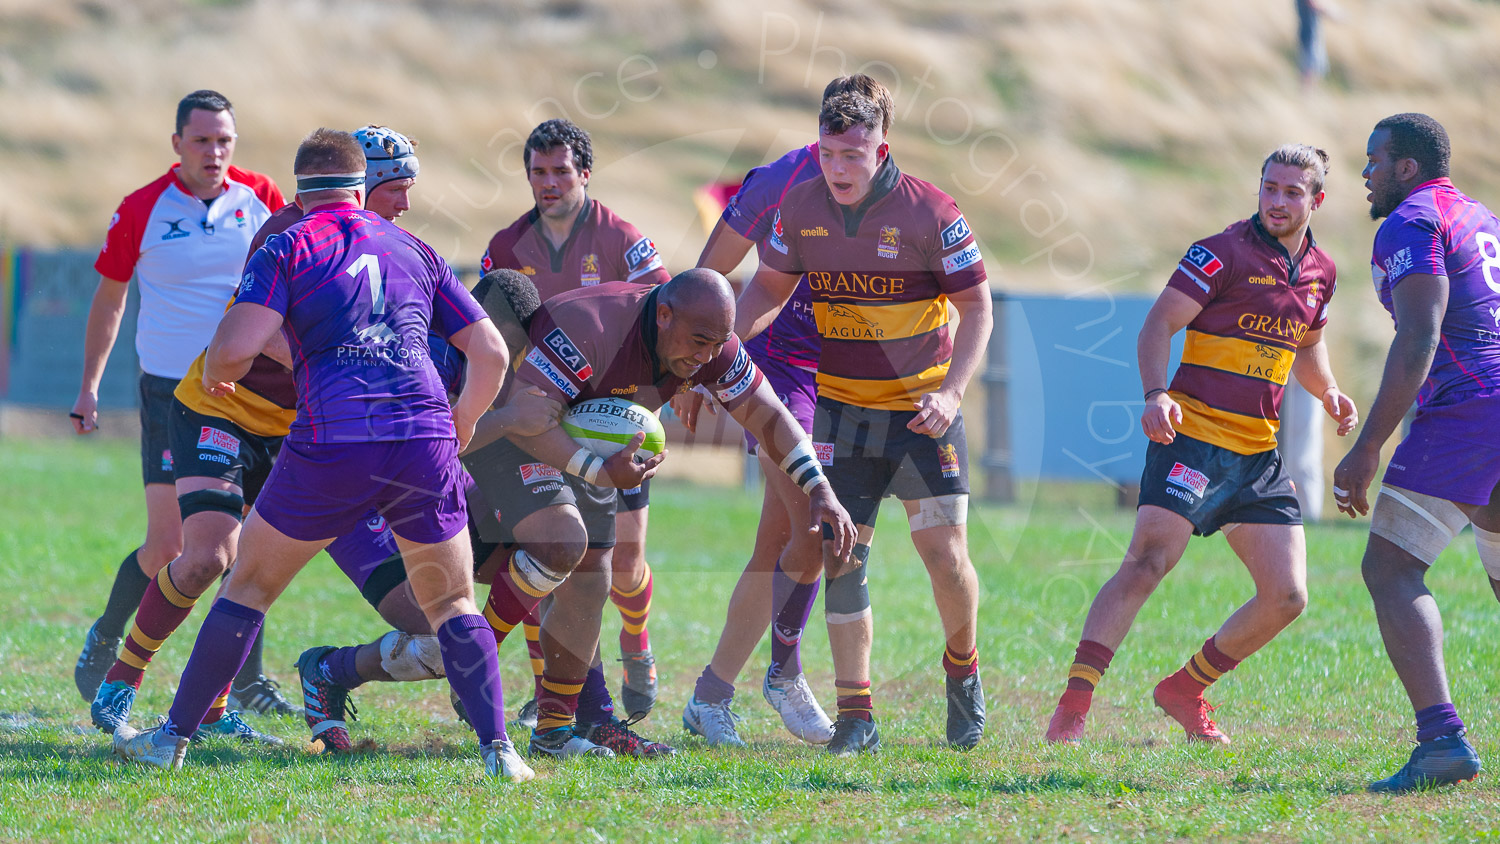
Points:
(359, 295)
(1437, 230)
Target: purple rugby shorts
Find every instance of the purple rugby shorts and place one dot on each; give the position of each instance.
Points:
(321, 490)
(798, 390)
(1452, 452)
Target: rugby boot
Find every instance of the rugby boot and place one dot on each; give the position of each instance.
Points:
(326, 704)
(526, 715)
(563, 743)
(263, 697)
(853, 736)
(231, 726)
(965, 711)
(715, 722)
(111, 707)
(501, 761)
(1190, 710)
(793, 700)
(1441, 761)
(99, 653)
(1066, 726)
(623, 741)
(152, 747)
(638, 689)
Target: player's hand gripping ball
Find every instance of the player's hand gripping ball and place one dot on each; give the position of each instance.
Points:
(604, 426)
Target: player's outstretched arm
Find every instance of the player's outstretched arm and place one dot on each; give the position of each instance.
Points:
(1419, 302)
(1314, 373)
(242, 334)
(528, 413)
(725, 249)
(105, 313)
(762, 299)
(937, 409)
(488, 361)
(784, 441)
(1170, 314)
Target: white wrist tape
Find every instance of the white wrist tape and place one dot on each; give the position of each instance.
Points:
(801, 465)
(585, 464)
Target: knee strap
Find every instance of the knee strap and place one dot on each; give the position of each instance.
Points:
(1489, 551)
(211, 501)
(407, 657)
(1421, 525)
(847, 597)
(940, 511)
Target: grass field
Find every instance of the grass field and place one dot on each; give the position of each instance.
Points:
(1314, 716)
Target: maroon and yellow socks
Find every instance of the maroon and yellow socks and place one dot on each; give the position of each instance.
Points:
(635, 609)
(1207, 665)
(959, 666)
(855, 700)
(226, 637)
(473, 668)
(217, 708)
(534, 652)
(162, 610)
(1090, 662)
(711, 688)
(791, 605)
(557, 702)
(512, 600)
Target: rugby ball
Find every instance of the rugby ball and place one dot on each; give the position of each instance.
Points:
(604, 426)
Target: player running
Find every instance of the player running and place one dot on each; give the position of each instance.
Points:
(183, 238)
(567, 241)
(558, 499)
(357, 296)
(885, 255)
(1254, 300)
(1436, 264)
(789, 561)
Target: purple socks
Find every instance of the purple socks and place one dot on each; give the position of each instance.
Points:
(791, 605)
(1437, 721)
(468, 646)
(338, 667)
(711, 689)
(595, 706)
(229, 631)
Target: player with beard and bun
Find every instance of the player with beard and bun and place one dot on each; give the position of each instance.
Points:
(557, 499)
(1254, 300)
(1436, 264)
(183, 239)
(567, 241)
(787, 353)
(355, 297)
(885, 255)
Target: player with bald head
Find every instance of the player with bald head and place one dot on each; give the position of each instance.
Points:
(647, 344)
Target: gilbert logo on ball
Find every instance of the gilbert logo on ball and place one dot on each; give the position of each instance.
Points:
(605, 425)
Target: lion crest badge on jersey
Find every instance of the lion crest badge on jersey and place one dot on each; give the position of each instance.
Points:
(588, 274)
(889, 244)
(948, 460)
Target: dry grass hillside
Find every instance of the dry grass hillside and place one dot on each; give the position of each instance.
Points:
(1087, 141)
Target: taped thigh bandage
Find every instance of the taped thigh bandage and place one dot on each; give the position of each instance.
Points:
(211, 501)
(1489, 550)
(847, 597)
(940, 511)
(1421, 525)
(407, 656)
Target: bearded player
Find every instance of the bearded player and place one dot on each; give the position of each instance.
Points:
(1254, 300)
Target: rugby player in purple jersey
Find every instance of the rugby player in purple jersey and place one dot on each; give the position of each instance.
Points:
(1436, 264)
(355, 297)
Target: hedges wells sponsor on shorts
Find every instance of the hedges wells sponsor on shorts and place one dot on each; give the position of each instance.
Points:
(824, 452)
(552, 373)
(1187, 478)
(213, 439)
(532, 473)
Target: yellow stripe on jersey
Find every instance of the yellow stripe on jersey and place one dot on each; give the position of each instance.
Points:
(1237, 432)
(1242, 357)
(887, 321)
(254, 413)
(878, 394)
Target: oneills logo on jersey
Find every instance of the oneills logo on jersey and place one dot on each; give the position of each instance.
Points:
(568, 353)
(588, 273)
(1262, 279)
(778, 234)
(955, 233)
(820, 231)
(889, 244)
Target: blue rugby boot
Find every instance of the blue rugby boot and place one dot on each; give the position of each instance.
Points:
(1441, 761)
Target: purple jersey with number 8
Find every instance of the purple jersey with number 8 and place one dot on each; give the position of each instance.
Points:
(359, 295)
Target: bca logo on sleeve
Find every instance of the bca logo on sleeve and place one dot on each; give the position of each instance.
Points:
(640, 254)
(1205, 261)
(955, 233)
(562, 346)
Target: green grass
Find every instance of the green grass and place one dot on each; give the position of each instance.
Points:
(1314, 716)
